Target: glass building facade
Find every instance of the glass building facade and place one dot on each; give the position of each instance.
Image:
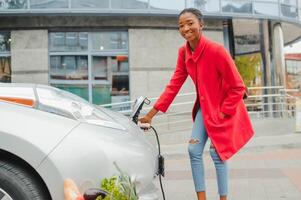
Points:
(99, 49)
(286, 9)
(91, 61)
(5, 65)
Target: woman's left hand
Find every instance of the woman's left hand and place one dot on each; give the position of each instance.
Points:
(222, 115)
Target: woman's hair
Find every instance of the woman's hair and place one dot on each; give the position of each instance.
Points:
(194, 11)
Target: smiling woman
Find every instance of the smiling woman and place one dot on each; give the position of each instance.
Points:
(219, 105)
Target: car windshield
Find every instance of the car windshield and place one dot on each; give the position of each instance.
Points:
(67, 104)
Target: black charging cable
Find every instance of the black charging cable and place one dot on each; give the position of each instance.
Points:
(161, 171)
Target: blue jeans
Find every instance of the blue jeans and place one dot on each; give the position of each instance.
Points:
(196, 147)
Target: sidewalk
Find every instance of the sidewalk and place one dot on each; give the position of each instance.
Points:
(267, 168)
(273, 174)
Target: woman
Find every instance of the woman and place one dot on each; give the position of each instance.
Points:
(219, 111)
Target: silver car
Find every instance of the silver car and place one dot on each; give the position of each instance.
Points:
(48, 135)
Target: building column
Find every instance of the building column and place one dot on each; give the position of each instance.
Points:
(265, 52)
(278, 61)
(264, 27)
(29, 56)
(278, 55)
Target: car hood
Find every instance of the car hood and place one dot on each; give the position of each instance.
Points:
(121, 119)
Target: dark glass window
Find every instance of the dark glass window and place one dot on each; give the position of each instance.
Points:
(248, 59)
(13, 4)
(246, 36)
(69, 67)
(293, 74)
(48, 4)
(69, 41)
(289, 11)
(4, 41)
(236, 6)
(266, 8)
(105, 59)
(101, 94)
(5, 69)
(167, 5)
(120, 75)
(90, 4)
(5, 62)
(100, 68)
(77, 89)
(289, 2)
(208, 5)
(129, 4)
(105, 41)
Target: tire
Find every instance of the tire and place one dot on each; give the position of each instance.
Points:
(18, 184)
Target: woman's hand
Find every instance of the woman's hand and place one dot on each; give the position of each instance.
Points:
(145, 119)
(222, 115)
(145, 122)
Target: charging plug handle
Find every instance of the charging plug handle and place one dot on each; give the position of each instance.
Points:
(137, 107)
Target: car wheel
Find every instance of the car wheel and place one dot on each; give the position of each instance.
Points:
(17, 184)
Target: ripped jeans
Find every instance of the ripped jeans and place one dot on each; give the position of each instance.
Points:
(196, 147)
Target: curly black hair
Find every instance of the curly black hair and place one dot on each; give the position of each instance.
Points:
(194, 11)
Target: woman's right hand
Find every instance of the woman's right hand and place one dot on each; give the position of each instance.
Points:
(145, 119)
(148, 117)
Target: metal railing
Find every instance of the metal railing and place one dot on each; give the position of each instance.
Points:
(262, 102)
(273, 101)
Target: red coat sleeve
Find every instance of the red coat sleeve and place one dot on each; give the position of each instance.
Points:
(178, 78)
(231, 76)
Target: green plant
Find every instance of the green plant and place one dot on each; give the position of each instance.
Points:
(119, 187)
(249, 67)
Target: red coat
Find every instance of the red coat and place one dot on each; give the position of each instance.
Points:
(219, 89)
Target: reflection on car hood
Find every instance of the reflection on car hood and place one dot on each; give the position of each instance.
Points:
(117, 117)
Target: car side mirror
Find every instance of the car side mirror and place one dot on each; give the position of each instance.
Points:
(137, 107)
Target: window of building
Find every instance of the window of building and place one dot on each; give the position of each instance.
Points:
(16, 4)
(234, 6)
(5, 64)
(248, 58)
(48, 4)
(92, 65)
(289, 11)
(90, 4)
(208, 5)
(133, 4)
(293, 74)
(266, 8)
(166, 4)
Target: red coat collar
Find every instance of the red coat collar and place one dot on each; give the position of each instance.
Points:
(198, 50)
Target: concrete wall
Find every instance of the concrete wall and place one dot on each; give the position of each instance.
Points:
(153, 56)
(29, 56)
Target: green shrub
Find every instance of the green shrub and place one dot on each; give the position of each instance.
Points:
(119, 187)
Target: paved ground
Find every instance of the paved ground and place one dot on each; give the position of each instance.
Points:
(268, 168)
(269, 174)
